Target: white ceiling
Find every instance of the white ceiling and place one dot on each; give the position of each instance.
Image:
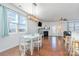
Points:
(54, 11)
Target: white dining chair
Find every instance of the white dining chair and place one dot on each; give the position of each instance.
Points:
(75, 48)
(38, 41)
(24, 45)
(68, 45)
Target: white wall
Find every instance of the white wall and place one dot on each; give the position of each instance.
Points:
(32, 26)
(51, 25)
(8, 42)
(25, 6)
(28, 7)
(13, 39)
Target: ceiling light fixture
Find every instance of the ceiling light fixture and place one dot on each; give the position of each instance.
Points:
(19, 6)
(34, 4)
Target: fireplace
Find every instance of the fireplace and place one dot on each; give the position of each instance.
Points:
(45, 33)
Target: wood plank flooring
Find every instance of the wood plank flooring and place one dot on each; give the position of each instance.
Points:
(49, 48)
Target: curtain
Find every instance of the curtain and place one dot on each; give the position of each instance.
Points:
(3, 22)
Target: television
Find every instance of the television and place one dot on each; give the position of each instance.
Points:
(39, 24)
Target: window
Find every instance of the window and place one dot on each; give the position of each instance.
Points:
(65, 26)
(77, 26)
(71, 26)
(12, 20)
(22, 23)
(16, 22)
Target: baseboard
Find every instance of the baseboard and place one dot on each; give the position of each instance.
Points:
(8, 48)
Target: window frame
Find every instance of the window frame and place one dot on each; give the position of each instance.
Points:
(17, 27)
(22, 24)
(11, 22)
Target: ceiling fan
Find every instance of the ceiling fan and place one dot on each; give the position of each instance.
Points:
(63, 19)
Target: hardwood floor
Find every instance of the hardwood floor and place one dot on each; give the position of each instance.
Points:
(51, 47)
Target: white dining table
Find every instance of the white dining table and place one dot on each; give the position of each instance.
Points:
(31, 38)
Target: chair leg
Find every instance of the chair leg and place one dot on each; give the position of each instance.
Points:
(20, 52)
(23, 53)
(41, 45)
(31, 49)
(31, 52)
(38, 47)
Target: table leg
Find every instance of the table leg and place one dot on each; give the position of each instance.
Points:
(31, 47)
